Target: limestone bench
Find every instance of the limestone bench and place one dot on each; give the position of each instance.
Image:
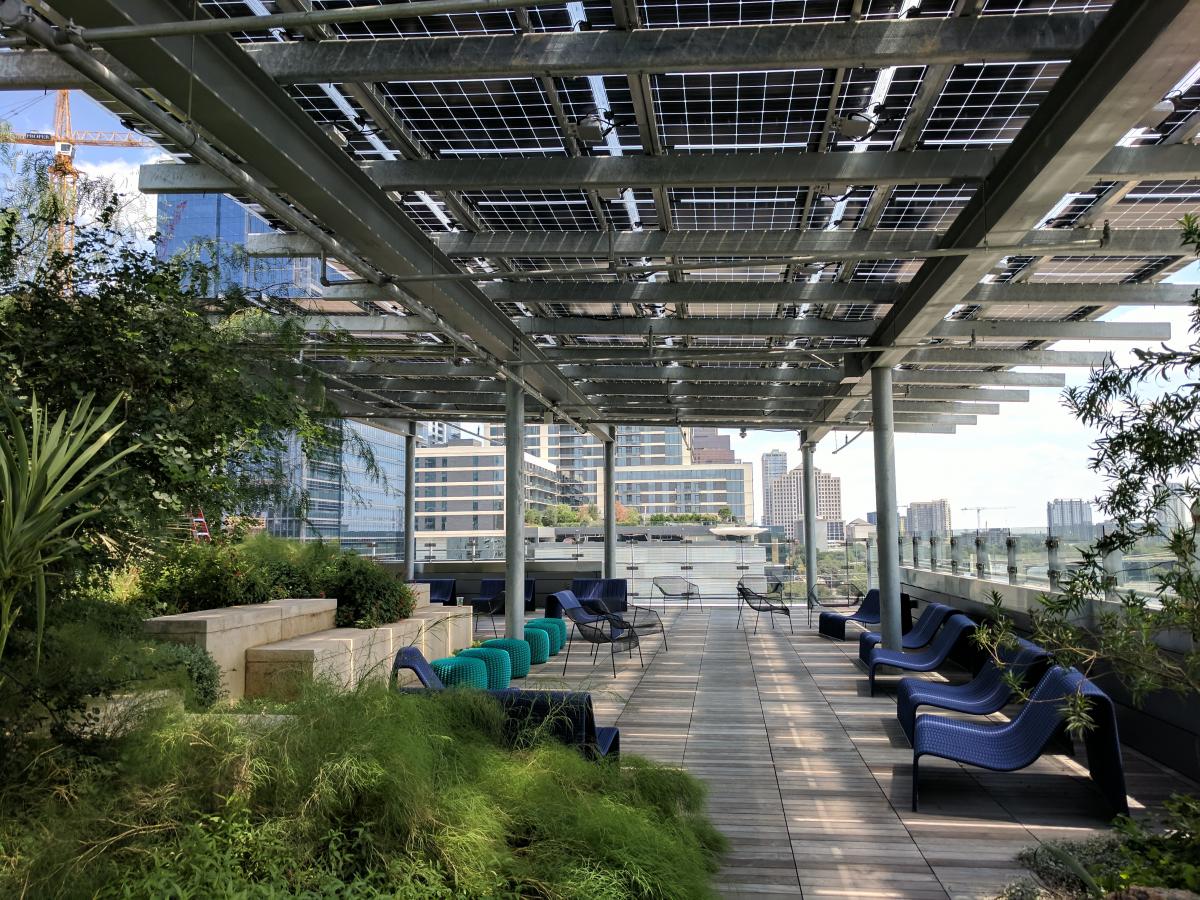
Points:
(229, 632)
(347, 656)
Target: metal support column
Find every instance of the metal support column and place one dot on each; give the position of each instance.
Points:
(1010, 544)
(610, 507)
(514, 511)
(810, 520)
(1053, 564)
(887, 525)
(955, 554)
(933, 551)
(916, 541)
(410, 503)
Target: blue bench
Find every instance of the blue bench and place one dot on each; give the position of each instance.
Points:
(441, 590)
(612, 592)
(833, 624)
(957, 629)
(986, 693)
(1017, 744)
(919, 636)
(567, 714)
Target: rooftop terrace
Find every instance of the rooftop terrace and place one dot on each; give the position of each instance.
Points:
(810, 778)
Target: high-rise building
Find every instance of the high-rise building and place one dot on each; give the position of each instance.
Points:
(656, 472)
(1070, 519)
(774, 464)
(787, 502)
(710, 446)
(1175, 512)
(329, 495)
(929, 517)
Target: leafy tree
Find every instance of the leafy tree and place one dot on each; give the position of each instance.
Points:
(1149, 455)
(725, 514)
(210, 420)
(628, 515)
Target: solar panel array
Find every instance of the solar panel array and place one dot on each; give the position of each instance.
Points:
(979, 106)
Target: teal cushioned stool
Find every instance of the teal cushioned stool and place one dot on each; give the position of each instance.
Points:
(499, 665)
(518, 652)
(457, 670)
(558, 625)
(550, 631)
(539, 645)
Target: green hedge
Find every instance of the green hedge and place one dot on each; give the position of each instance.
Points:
(195, 576)
(367, 794)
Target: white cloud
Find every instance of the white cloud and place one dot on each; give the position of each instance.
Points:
(137, 209)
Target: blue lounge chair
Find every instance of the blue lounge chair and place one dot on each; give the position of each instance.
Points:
(833, 624)
(597, 629)
(612, 592)
(441, 590)
(957, 629)
(919, 636)
(986, 693)
(495, 587)
(1017, 744)
(568, 714)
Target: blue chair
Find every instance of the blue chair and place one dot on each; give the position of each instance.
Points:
(1017, 744)
(597, 629)
(958, 628)
(612, 592)
(441, 590)
(920, 635)
(568, 714)
(988, 692)
(833, 625)
(493, 587)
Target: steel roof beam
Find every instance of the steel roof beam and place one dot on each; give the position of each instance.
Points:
(834, 170)
(823, 245)
(984, 357)
(870, 44)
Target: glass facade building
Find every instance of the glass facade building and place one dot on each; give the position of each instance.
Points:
(342, 501)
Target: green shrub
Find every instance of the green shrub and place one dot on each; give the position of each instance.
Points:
(1162, 854)
(93, 651)
(367, 794)
(367, 595)
(194, 576)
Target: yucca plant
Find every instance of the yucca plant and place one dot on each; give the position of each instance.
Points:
(47, 466)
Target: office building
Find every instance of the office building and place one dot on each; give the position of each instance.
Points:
(1070, 519)
(329, 496)
(929, 517)
(774, 464)
(787, 502)
(1175, 512)
(710, 446)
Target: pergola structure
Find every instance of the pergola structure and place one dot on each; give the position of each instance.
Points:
(811, 215)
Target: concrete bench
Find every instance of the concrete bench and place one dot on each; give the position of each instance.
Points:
(229, 632)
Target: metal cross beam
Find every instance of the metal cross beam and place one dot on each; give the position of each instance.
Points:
(822, 245)
(757, 292)
(834, 170)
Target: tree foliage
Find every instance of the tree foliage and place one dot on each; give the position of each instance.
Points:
(1148, 452)
(211, 421)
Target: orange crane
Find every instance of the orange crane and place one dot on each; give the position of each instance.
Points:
(63, 174)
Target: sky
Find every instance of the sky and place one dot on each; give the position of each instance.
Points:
(1012, 463)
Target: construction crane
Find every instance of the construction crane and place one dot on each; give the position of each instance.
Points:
(980, 509)
(63, 175)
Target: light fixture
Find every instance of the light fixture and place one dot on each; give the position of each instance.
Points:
(742, 433)
(592, 128)
(1161, 111)
(861, 124)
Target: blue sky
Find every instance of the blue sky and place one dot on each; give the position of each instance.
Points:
(1015, 461)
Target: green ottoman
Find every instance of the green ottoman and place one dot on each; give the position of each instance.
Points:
(556, 626)
(550, 631)
(499, 666)
(455, 670)
(518, 652)
(539, 645)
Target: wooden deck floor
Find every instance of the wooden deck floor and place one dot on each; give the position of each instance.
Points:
(810, 778)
